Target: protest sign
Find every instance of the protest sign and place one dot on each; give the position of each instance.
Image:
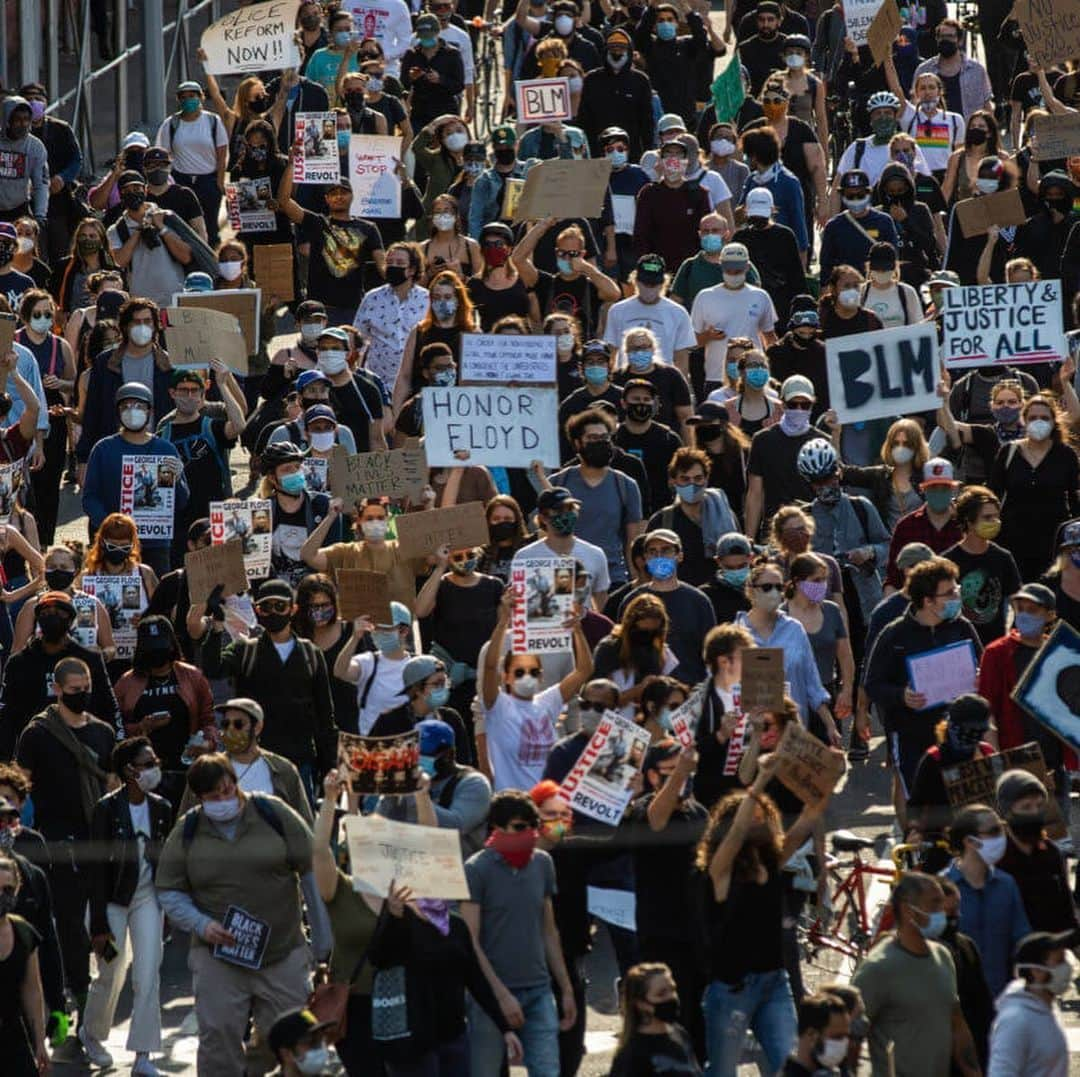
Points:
(376, 189)
(762, 682)
(975, 782)
(543, 100)
(248, 521)
(84, 630)
(250, 934)
(8, 325)
(512, 188)
(213, 565)
(506, 359)
(1051, 29)
(882, 33)
(599, 783)
(274, 270)
(564, 189)
(195, 335)
(393, 473)
(989, 324)
(943, 673)
(1003, 208)
(543, 589)
(363, 594)
(316, 474)
(727, 90)
(373, 19)
(859, 17)
(380, 766)
(247, 203)
(494, 425)
(1056, 137)
(684, 719)
(10, 475)
(252, 39)
(618, 907)
(459, 526)
(426, 859)
(124, 600)
(244, 304)
(318, 160)
(624, 210)
(805, 765)
(883, 373)
(1049, 689)
(148, 493)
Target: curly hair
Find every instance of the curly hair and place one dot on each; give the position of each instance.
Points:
(749, 856)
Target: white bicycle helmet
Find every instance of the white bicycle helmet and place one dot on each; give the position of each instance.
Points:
(883, 99)
(816, 460)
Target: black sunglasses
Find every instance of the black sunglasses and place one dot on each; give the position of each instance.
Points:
(591, 705)
(767, 587)
(797, 405)
(533, 671)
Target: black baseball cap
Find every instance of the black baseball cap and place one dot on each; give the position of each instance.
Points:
(292, 1027)
(557, 497)
(651, 269)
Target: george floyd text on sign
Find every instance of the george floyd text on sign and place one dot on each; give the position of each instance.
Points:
(883, 373)
(491, 426)
(543, 100)
(1002, 324)
(254, 38)
(600, 783)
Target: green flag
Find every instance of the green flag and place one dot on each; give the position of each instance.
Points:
(728, 93)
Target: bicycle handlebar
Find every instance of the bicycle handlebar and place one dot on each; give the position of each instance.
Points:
(900, 851)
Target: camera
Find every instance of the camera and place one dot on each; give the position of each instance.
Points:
(150, 236)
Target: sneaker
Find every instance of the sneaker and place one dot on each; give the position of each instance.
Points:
(144, 1067)
(95, 1050)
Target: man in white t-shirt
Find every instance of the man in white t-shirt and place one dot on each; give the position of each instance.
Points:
(520, 720)
(377, 674)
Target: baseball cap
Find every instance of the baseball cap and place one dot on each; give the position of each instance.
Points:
(156, 153)
(434, 734)
(734, 254)
(733, 542)
(854, 179)
(8, 230)
(970, 710)
(1038, 593)
(191, 86)
(709, 411)
(428, 22)
(1070, 534)
(418, 669)
(308, 377)
(797, 385)
(671, 121)
(596, 347)
(290, 1028)
(944, 276)
(274, 589)
(337, 333)
(244, 705)
(399, 615)
(650, 269)
(198, 282)
(341, 182)
(504, 135)
(193, 376)
(767, 7)
(319, 411)
(1034, 949)
(912, 554)
(135, 139)
(310, 308)
(638, 383)
(610, 134)
(804, 317)
(617, 36)
(555, 498)
(759, 202)
(938, 472)
(662, 534)
(128, 177)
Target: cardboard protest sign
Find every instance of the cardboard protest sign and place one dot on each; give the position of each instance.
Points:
(124, 600)
(251, 937)
(1003, 208)
(274, 270)
(427, 859)
(195, 335)
(1002, 324)
(943, 673)
(213, 565)
(1055, 137)
(543, 589)
(495, 425)
(363, 594)
(859, 17)
(459, 526)
(1051, 29)
(244, 304)
(882, 32)
(805, 765)
(247, 203)
(376, 188)
(251, 39)
(506, 359)
(542, 100)
(248, 521)
(148, 493)
(380, 766)
(975, 781)
(564, 189)
(512, 188)
(883, 373)
(599, 783)
(393, 473)
(1049, 689)
(762, 682)
(318, 160)
(8, 325)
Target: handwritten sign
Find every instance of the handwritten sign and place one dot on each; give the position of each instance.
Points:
(213, 565)
(318, 160)
(194, 336)
(599, 784)
(943, 673)
(859, 17)
(1003, 208)
(244, 304)
(459, 526)
(274, 270)
(494, 425)
(564, 189)
(380, 766)
(1051, 29)
(886, 372)
(882, 33)
(506, 359)
(427, 859)
(254, 38)
(991, 324)
(363, 594)
(618, 907)
(806, 766)
(1055, 137)
(543, 100)
(762, 678)
(376, 189)
(393, 473)
(251, 935)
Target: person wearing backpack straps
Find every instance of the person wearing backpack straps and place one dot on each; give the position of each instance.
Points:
(282, 672)
(209, 891)
(377, 674)
(199, 145)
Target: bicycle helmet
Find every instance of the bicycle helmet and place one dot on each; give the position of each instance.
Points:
(280, 452)
(135, 390)
(883, 99)
(610, 134)
(816, 460)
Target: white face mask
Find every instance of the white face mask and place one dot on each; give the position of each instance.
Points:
(310, 331)
(1061, 976)
(315, 1061)
(525, 687)
(564, 342)
(141, 335)
(767, 600)
(134, 418)
(222, 811)
(734, 280)
(444, 222)
(832, 1052)
(1039, 429)
(374, 529)
(986, 186)
(722, 147)
(333, 362)
(230, 270)
(455, 141)
(991, 850)
(881, 277)
(322, 441)
(795, 60)
(25, 244)
(848, 297)
(149, 780)
(901, 454)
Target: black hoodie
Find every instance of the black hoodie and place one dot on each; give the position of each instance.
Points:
(918, 250)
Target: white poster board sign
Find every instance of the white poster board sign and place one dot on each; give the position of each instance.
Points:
(254, 38)
(599, 784)
(376, 190)
(506, 359)
(148, 493)
(543, 589)
(543, 100)
(318, 160)
(858, 17)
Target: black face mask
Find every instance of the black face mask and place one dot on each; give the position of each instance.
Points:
(132, 200)
(976, 136)
(597, 453)
(395, 275)
(1027, 826)
(158, 177)
(948, 48)
(273, 622)
(59, 579)
(117, 555)
(1061, 203)
(639, 412)
(260, 104)
(505, 155)
(667, 1011)
(75, 701)
(502, 531)
(133, 159)
(641, 637)
(54, 626)
(155, 657)
(354, 100)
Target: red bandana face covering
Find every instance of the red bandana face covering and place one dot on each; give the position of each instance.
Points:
(515, 847)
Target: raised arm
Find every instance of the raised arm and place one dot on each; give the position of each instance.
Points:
(571, 684)
(523, 252)
(492, 681)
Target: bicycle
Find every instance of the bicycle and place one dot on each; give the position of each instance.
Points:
(841, 124)
(488, 72)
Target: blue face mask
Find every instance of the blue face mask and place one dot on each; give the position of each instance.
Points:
(732, 371)
(951, 609)
(757, 377)
(661, 568)
(444, 377)
(293, 483)
(386, 641)
(640, 359)
(712, 242)
(342, 38)
(438, 697)
(1029, 624)
(343, 140)
(444, 308)
(427, 42)
(427, 765)
(689, 492)
(190, 104)
(735, 577)
(935, 925)
(663, 719)
(596, 375)
(564, 265)
(666, 31)
(618, 158)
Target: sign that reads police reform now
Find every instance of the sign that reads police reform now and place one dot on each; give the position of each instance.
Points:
(490, 425)
(883, 373)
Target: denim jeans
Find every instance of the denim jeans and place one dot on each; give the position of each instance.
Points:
(539, 1035)
(763, 1003)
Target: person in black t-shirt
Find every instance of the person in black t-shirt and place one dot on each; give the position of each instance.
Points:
(650, 441)
(727, 590)
(651, 1040)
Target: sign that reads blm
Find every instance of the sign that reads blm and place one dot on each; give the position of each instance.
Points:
(254, 38)
(883, 373)
(543, 100)
(490, 425)
(1002, 324)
